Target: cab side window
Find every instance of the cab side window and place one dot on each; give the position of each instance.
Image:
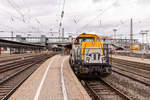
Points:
(97, 39)
(76, 41)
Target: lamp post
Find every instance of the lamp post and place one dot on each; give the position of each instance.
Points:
(114, 30)
(12, 35)
(131, 35)
(147, 42)
(143, 33)
(143, 46)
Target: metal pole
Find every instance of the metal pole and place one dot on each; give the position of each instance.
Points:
(0, 50)
(62, 34)
(147, 47)
(142, 41)
(114, 35)
(10, 51)
(131, 34)
(142, 44)
(12, 35)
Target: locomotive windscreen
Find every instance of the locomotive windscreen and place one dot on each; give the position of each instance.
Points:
(83, 39)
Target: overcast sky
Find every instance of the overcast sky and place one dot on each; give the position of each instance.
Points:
(92, 16)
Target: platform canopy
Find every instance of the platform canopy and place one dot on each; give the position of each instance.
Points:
(14, 44)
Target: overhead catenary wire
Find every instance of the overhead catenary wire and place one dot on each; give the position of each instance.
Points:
(64, 4)
(61, 18)
(17, 8)
(22, 16)
(12, 16)
(99, 14)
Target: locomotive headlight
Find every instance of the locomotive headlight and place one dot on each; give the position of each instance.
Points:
(104, 60)
(87, 59)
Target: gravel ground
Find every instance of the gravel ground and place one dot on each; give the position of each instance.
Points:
(135, 90)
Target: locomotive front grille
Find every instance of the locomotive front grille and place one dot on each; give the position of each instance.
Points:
(95, 56)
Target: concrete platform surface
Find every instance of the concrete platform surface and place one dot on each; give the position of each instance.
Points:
(53, 80)
(134, 59)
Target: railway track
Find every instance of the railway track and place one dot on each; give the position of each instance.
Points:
(8, 60)
(11, 67)
(14, 64)
(26, 67)
(134, 73)
(129, 81)
(125, 71)
(101, 90)
(138, 65)
(133, 78)
(135, 88)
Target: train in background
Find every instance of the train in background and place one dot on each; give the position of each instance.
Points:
(90, 57)
(135, 47)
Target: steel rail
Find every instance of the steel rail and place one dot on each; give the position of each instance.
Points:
(140, 81)
(20, 83)
(136, 73)
(23, 68)
(13, 65)
(15, 58)
(131, 64)
(117, 90)
(94, 94)
(99, 97)
(139, 65)
(28, 69)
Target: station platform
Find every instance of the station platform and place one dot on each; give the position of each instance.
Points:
(53, 80)
(134, 59)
